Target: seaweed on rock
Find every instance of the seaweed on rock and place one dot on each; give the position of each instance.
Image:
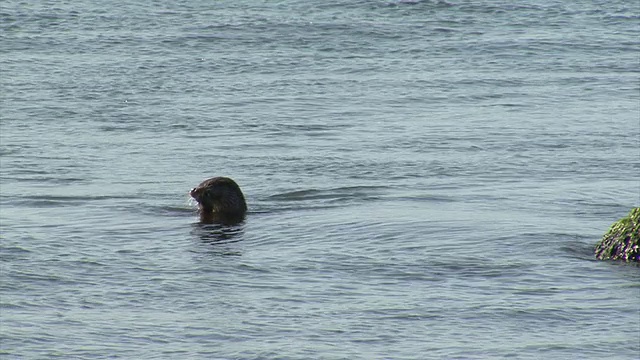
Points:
(621, 242)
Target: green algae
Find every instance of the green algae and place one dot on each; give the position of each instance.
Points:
(621, 242)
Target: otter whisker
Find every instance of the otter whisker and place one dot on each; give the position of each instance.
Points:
(192, 202)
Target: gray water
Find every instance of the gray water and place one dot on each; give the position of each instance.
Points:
(426, 179)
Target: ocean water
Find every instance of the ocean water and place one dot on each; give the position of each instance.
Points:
(426, 179)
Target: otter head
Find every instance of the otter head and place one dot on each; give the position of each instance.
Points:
(219, 197)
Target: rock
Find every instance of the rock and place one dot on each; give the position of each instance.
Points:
(622, 240)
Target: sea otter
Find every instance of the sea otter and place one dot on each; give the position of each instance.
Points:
(220, 201)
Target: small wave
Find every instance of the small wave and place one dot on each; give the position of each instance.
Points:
(423, 198)
(75, 197)
(14, 249)
(58, 200)
(341, 193)
(171, 210)
(579, 250)
(123, 128)
(50, 179)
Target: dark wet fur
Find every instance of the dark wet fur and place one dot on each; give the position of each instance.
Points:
(220, 200)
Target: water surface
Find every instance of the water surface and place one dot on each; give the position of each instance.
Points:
(426, 179)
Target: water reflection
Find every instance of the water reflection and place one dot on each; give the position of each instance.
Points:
(218, 237)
